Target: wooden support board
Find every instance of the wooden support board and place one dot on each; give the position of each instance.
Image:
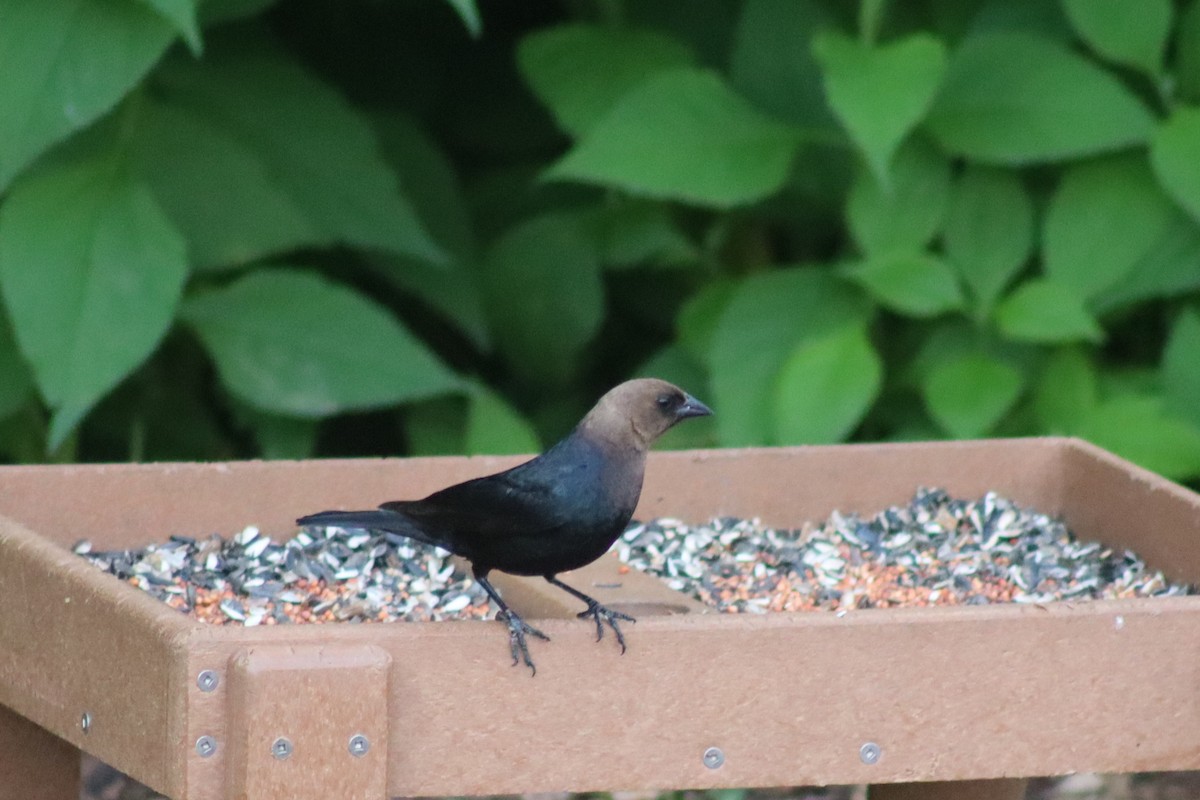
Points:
(947, 694)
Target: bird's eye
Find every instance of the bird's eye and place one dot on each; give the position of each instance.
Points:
(665, 401)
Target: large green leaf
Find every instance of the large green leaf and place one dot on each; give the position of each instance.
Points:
(969, 395)
(1015, 98)
(1181, 367)
(246, 134)
(989, 230)
(826, 386)
(880, 93)
(907, 212)
(66, 62)
(16, 383)
(1170, 267)
(295, 343)
(495, 427)
(916, 284)
(1040, 310)
(181, 14)
(1128, 33)
(1187, 53)
(684, 135)
(1102, 220)
(1175, 156)
(768, 317)
(91, 271)
(1138, 428)
(579, 71)
(772, 64)
(544, 296)
(1066, 391)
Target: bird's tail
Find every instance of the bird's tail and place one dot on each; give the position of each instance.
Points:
(382, 520)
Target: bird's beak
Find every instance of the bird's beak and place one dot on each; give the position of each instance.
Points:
(692, 408)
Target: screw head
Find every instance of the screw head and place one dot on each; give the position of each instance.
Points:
(359, 745)
(206, 746)
(869, 753)
(85, 722)
(714, 757)
(281, 748)
(207, 680)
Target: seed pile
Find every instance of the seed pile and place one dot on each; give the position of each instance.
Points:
(320, 575)
(934, 551)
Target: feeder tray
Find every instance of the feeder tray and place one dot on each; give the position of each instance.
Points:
(700, 700)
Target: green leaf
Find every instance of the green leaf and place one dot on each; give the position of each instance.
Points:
(1102, 220)
(1014, 98)
(772, 64)
(580, 71)
(769, 316)
(1187, 53)
(295, 343)
(544, 296)
(280, 436)
(64, 64)
(495, 427)
(1175, 157)
(916, 284)
(181, 14)
(1170, 267)
(698, 317)
(1040, 310)
(826, 386)
(263, 131)
(969, 395)
(1139, 429)
(637, 233)
(468, 12)
(1066, 391)
(684, 135)
(989, 230)
(880, 93)
(907, 213)
(91, 271)
(16, 383)
(1181, 367)
(1133, 34)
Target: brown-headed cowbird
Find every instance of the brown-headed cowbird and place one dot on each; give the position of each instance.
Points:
(556, 512)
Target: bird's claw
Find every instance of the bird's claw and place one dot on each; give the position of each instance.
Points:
(517, 628)
(602, 614)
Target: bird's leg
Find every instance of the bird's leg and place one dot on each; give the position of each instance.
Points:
(517, 627)
(596, 611)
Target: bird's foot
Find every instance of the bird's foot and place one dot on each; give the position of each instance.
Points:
(603, 614)
(517, 628)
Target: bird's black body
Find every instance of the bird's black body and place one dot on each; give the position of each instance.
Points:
(554, 513)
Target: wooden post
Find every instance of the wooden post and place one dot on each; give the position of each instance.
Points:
(1002, 789)
(34, 763)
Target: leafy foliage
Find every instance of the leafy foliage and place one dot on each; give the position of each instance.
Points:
(244, 228)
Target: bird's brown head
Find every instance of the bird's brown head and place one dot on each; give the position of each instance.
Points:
(637, 412)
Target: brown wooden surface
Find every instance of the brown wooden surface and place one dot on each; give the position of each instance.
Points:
(949, 694)
(34, 763)
(316, 698)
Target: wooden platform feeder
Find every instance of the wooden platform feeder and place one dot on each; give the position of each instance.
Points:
(700, 700)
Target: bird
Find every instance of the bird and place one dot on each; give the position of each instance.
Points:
(554, 513)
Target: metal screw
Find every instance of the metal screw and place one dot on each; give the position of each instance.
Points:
(207, 680)
(713, 757)
(281, 748)
(869, 753)
(85, 722)
(359, 745)
(1119, 622)
(206, 746)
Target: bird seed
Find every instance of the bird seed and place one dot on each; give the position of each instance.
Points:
(934, 551)
(319, 575)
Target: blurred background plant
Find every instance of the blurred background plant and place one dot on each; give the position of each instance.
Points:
(236, 228)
